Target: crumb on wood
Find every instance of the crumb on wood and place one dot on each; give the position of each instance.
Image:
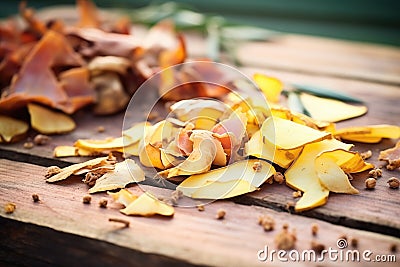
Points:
(103, 203)
(393, 248)
(366, 155)
(28, 145)
(35, 197)
(100, 129)
(393, 183)
(200, 207)
(86, 199)
(290, 205)
(91, 178)
(375, 173)
(175, 196)
(118, 220)
(370, 183)
(297, 194)
(220, 214)
(52, 170)
(9, 207)
(314, 229)
(267, 222)
(317, 247)
(284, 239)
(278, 177)
(41, 139)
(257, 166)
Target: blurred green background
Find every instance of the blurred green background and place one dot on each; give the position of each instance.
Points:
(376, 21)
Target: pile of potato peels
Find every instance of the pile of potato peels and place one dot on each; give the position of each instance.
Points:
(215, 143)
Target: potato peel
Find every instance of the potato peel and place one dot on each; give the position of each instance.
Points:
(148, 205)
(11, 128)
(238, 178)
(47, 121)
(73, 169)
(368, 134)
(286, 134)
(125, 172)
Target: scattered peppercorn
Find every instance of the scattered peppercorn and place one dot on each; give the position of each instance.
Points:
(314, 229)
(267, 222)
(86, 199)
(28, 145)
(200, 207)
(317, 247)
(375, 173)
(278, 177)
(366, 155)
(370, 183)
(52, 170)
(35, 197)
(297, 194)
(285, 240)
(393, 183)
(103, 203)
(221, 214)
(10, 208)
(41, 139)
(257, 166)
(101, 129)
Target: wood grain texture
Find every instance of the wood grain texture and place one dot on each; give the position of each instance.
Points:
(190, 236)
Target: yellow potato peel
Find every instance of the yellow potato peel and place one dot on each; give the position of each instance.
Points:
(148, 205)
(238, 178)
(331, 176)
(270, 86)
(11, 128)
(302, 175)
(75, 168)
(286, 134)
(47, 121)
(123, 196)
(368, 134)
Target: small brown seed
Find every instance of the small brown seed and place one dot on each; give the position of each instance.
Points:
(10, 208)
(200, 207)
(52, 170)
(221, 214)
(285, 240)
(41, 139)
(278, 177)
(267, 222)
(257, 166)
(375, 173)
(28, 145)
(314, 229)
(103, 203)
(370, 183)
(366, 155)
(101, 129)
(35, 197)
(393, 183)
(297, 194)
(86, 199)
(393, 248)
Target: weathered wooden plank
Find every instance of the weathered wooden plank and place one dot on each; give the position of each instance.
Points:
(190, 237)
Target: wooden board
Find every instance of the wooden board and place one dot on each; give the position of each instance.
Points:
(190, 236)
